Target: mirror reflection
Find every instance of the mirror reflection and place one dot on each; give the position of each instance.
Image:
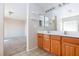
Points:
(70, 23)
(47, 23)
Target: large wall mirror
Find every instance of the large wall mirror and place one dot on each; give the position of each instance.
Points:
(44, 21)
(70, 23)
(47, 23)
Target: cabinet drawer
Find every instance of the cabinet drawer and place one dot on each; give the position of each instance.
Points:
(55, 37)
(46, 36)
(71, 40)
(40, 35)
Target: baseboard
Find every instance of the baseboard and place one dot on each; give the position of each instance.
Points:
(32, 49)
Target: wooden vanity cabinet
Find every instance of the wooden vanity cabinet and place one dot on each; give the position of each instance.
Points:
(77, 50)
(40, 40)
(59, 45)
(46, 42)
(68, 49)
(70, 46)
(56, 45)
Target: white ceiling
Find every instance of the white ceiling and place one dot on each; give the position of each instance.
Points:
(46, 6)
(51, 6)
(18, 9)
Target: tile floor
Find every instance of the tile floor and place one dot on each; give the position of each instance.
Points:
(14, 45)
(35, 52)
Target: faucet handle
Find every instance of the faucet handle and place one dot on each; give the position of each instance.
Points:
(65, 32)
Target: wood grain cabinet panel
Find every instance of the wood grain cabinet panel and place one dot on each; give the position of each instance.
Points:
(72, 40)
(68, 49)
(70, 46)
(59, 45)
(77, 50)
(40, 40)
(55, 37)
(46, 43)
(55, 47)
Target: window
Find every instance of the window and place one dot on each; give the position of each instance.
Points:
(70, 25)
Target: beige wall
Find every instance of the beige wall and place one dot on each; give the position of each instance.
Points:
(14, 28)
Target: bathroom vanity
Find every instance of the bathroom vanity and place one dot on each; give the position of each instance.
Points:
(59, 44)
(70, 46)
(63, 41)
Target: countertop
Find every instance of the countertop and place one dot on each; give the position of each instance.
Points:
(61, 33)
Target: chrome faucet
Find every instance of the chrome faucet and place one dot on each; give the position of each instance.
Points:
(65, 32)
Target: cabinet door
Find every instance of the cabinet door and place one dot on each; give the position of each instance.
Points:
(55, 47)
(77, 50)
(40, 40)
(68, 49)
(46, 44)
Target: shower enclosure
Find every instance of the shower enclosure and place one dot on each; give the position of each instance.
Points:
(14, 28)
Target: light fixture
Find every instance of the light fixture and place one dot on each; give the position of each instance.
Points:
(49, 9)
(59, 5)
(10, 12)
(64, 3)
